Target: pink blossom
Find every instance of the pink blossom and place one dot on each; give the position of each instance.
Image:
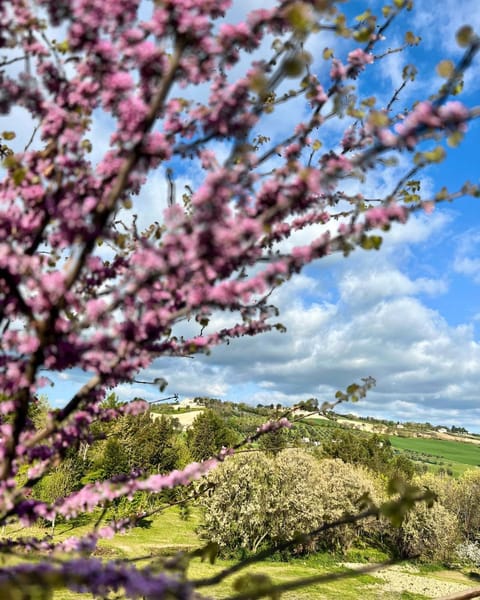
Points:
(453, 111)
(358, 58)
(387, 138)
(338, 70)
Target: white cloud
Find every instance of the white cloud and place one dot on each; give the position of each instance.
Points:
(438, 27)
(418, 229)
(467, 255)
(360, 288)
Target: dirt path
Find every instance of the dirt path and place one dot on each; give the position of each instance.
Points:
(407, 578)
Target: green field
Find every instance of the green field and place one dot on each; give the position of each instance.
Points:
(458, 456)
(169, 533)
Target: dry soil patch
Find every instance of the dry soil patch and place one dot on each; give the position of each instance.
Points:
(407, 578)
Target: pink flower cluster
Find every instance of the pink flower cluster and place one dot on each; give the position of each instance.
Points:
(272, 426)
(426, 115)
(382, 216)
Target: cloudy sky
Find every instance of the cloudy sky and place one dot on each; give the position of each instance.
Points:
(408, 315)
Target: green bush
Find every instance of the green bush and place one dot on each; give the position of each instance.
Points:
(460, 496)
(463, 499)
(257, 499)
(429, 534)
(339, 486)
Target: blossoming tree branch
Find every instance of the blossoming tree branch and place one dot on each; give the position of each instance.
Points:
(82, 286)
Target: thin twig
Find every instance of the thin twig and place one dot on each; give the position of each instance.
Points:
(4, 62)
(35, 129)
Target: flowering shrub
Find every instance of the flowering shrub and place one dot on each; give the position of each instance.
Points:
(255, 499)
(429, 534)
(346, 488)
(469, 553)
(84, 286)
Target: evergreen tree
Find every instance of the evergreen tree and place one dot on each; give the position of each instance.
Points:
(208, 434)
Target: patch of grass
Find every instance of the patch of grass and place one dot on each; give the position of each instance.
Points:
(350, 588)
(430, 568)
(365, 555)
(412, 596)
(169, 533)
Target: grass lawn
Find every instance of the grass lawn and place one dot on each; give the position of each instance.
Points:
(168, 533)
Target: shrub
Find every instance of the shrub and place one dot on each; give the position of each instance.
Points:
(468, 553)
(240, 505)
(427, 533)
(339, 487)
(460, 496)
(257, 499)
(463, 499)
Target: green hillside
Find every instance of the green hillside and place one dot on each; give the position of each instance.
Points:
(457, 456)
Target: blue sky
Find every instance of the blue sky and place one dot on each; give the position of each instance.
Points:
(408, 315)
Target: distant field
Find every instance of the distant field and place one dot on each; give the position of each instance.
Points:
(459, 455)
(185, 418)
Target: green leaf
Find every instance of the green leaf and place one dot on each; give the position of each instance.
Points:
(62, 47)
(364, 16)
(19, 175)
(454, 140)
(370, 102)
(161, 382)
(393, 512)
(409, 72)
(396, 485)
(445, 68)
(430, 156)
(458, 88)
(293, 67)
(378, 118)
(210, 552)
(464, 36)
(362, 35)
(86, 145)
(255, 583)
(436, 155)
(300, 17)
(442, 194)
(411, 39)
(8, 135)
